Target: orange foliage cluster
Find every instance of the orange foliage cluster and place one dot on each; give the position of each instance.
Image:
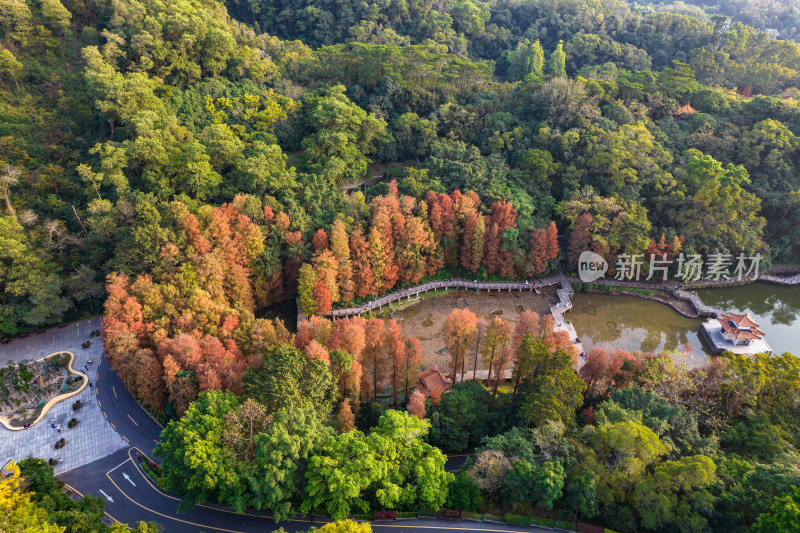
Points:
(383, 356)
(407, 239)
(189, 326)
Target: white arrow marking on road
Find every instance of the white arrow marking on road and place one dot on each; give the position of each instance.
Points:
(109, 498)
(129, 479)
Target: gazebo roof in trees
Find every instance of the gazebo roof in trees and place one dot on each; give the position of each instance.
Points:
(432, 381)
(684, 111)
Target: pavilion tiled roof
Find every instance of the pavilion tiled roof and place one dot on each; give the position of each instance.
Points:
(688, 109)
(741, 325)
(432, 381)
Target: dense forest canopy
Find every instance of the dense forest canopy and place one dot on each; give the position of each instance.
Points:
(115, 110)
(185, 164)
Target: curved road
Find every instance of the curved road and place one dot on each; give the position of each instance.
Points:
(131, 496)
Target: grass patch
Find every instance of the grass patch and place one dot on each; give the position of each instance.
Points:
(518, 519)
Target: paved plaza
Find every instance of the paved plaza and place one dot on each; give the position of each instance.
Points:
(93, 437)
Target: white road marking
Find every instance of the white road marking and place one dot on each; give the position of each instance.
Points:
(119, 465)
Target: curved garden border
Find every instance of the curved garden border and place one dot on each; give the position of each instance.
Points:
(53, 401)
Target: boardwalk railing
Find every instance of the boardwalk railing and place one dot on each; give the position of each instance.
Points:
(458, 284)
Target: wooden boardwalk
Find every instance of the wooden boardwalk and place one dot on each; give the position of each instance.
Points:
(410, 293)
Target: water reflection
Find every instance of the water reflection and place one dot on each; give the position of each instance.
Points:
(775, 308)
(630, 323)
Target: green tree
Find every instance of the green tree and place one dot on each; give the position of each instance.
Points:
(556, 65)
(194, 464)
(458, 423)
(676, 494)
(30, 287)
(342, 135)
(393, 466)
(285, 377)
(527, 59)
(784, 514)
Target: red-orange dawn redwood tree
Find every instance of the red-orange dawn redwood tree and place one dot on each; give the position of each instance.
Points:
(363, 277)
(416, 405)
(498, 333)
(396, 355)
(459, 333)
(373, 357)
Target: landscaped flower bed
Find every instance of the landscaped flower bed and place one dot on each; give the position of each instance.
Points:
(27, 387)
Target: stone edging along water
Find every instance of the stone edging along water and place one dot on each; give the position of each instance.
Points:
(53, 401)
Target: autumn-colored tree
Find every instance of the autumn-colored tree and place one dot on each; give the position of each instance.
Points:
(580, 239)
(345, 418)
(441, 216)
(459, 333)
(499, 250)
(528, 324)
(322, 297)
(478, 244)
(413, 250)
(480, 331)
(315, 351)
(326, 267)
(543, 249)
(413, 360)
(468, 242)
(306, 287)
(340, 246)
(319, 242)
(363, 277)
(594, 371)
(315, 328)
(396, 355)
(381, 252)
(416, 404)
(498, 333)
(349, 335)
(504, 359)
(373, 357)
(149, 380)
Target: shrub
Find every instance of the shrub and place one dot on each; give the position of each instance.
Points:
(64, 388)
(86, 344)
(60, 444)
(40, 404)
(52, 462)
(76, 405)
(72, 423)
(385, 515)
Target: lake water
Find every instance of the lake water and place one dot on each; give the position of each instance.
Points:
(630, 323)
(776, 309)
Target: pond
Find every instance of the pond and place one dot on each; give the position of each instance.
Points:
(630, 323)
(776, 309)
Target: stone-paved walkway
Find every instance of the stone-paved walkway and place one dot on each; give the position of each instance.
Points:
(93, 437)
